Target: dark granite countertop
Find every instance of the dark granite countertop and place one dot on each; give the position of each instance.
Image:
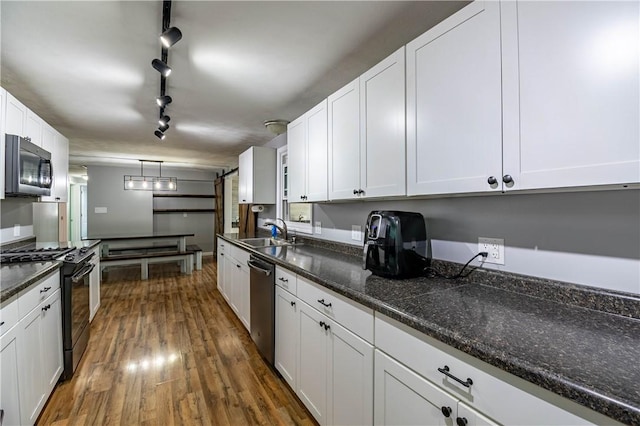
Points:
(15, 278)
(18, 277)
(586, 355)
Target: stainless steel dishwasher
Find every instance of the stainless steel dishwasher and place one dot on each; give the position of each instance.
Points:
(262, 303)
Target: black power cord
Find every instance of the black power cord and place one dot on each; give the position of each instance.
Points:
(432, 272)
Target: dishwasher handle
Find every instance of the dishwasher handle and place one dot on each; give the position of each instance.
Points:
(254, 265)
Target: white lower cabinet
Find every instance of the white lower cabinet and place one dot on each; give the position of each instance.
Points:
(287, 338)
(235, 282)
(94, 284)
(402, 397)
(30, 351)
(329, 367)
(9, 389)
(220, 265)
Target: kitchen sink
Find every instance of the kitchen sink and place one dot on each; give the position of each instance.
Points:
(265, 242)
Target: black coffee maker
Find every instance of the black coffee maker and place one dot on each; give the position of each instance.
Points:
(395, 244)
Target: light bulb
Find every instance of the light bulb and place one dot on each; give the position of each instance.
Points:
(130, 184)
(158, 185)
(144, 183)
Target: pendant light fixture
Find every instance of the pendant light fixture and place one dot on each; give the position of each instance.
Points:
(150, 183)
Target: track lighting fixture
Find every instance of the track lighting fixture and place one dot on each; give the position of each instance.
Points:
(161, 67)
(159, 134)
(163, 128)
(164, 120)
(163, 101)
(171, 37)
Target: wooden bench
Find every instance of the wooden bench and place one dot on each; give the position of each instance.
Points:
(145, 257)
(197, 255)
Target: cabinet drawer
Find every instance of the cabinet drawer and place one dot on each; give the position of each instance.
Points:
(238, 254)
(494, 392)
(351, 315)
(287, 280)
(8, 316)
(38, 293)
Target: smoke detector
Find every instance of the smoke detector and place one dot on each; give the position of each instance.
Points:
(277, 127)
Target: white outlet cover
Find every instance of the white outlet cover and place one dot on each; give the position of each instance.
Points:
(318, 228)
(356, 231)
(16, 230)
(495, 249)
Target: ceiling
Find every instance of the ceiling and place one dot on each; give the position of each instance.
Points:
(85, 68)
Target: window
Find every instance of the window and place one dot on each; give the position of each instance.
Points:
(297, 215)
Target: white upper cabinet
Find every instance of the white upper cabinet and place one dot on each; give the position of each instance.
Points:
(382, 128)
(454, 134)
(367, 133)
(15, 116)
(344, 142)
(571, 93)
(257, 176)
(3, 106)
(33, 128)
(307, 150)
(58, 146)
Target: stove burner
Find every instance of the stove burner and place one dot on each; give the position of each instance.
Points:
(83, 250)
(69, 257)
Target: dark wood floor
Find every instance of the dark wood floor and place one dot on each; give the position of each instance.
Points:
(170, 351)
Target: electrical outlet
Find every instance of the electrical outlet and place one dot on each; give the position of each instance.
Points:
(495, 249)
(16, 230)
(318, 228)
(356, 231)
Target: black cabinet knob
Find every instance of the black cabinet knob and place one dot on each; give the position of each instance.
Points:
(462, 421)
(293, 303)
(446, 411)
(46, 289)
(492, 180)
(321, 323)
(238, 266)
(284, 280)
(355, 192)
(2, 323)
(507, 179)
(360, 191)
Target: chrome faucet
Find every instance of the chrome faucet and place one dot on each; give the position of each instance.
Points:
(282, 229)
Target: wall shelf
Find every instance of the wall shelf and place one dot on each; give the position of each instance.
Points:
(182, 196)
(184, 211)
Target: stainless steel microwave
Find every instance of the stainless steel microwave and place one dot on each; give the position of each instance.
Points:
(28, 170)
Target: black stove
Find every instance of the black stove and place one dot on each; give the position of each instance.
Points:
(32, 253)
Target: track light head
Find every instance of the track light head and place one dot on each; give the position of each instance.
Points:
(164, 120)
(163, 128)
(161, 67)
(163, 101)
(159, 134)
(171, 37)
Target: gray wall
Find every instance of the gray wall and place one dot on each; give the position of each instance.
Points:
(131, 212)
(16, 211)
(590, 238)
(128, 212)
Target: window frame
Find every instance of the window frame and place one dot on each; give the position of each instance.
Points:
(298, 227)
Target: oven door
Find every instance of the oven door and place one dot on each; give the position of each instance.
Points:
(75, 316)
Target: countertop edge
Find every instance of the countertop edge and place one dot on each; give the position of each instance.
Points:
(31, 279)
(591, 398)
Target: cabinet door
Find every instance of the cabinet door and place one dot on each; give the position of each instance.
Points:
(234, 288)
(3, 108)
(316, 178)
(51, 312)
(229, 276)
(343, 109)
(61, 169)
(312, 362)
(297, 159)
(15, 116)
(245, 177)
(572, 93)
(470, 417)
(287, 324)
(9, 391)
(30, 371)
(382, 128)
(33, 128)
(404, 398)
(350, 367)
(48, 143)
(220, 267)
(454, 110)
(244, 296)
